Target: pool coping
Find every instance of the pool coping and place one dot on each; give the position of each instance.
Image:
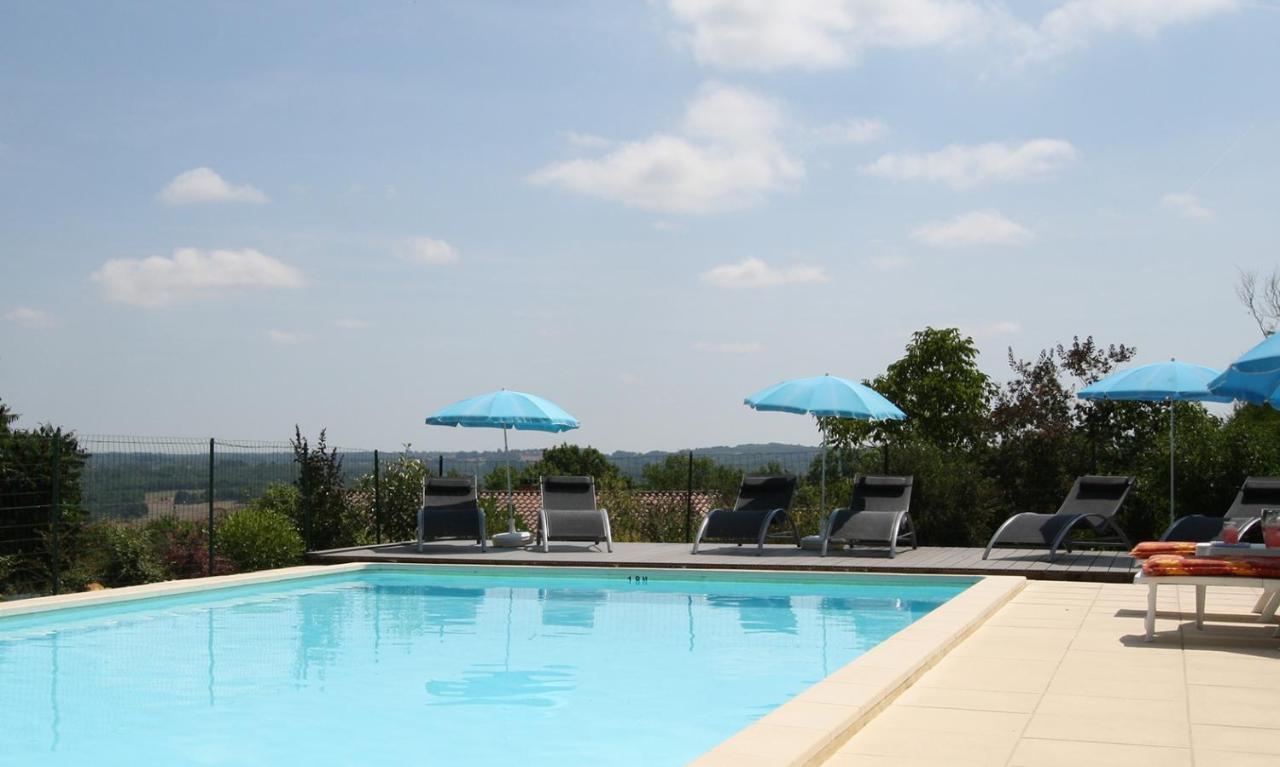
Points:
(802, 732)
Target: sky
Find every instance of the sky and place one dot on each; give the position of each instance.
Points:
(225, 219)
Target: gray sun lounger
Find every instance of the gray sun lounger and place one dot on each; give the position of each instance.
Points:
(1091, 504)
(569, 513)
(450, 509)
(1256, 494)
(761, 505)
(879, 512)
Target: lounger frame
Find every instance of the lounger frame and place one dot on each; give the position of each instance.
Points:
(575, 510)
(452, 510)
(783, 489)
(1254, 494)
(1066, 522)
(873, 517)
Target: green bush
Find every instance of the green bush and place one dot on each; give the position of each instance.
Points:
(258, 539)
(119, 555)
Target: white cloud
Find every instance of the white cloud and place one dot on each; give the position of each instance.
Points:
(351, 323)
(1187, 205)
(424, 250)
(1075, 23)
(754, 273)
(769, 35)
(964, 166)
(766, 35)
(859, 130)
(287, 337)
(29, 317)
(739, 347)
(191, 275)
(205, 185)
(979, 227)
(726, 155)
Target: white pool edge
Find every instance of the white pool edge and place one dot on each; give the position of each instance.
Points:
(806, 730)
(802, 732)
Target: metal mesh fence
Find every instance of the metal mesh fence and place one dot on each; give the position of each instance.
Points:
(135, 509)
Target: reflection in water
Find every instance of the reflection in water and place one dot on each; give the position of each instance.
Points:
(570, 608)
(323, 618)
(760, 614)
(480, 686)
(56, 715)
(443, 607)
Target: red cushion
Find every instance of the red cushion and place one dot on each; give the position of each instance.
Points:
(1152, 548)
(1172, 564)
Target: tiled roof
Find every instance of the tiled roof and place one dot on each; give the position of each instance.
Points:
(528, 502)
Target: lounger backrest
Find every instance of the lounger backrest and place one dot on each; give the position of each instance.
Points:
(765, 493)
(569, 493)
(1256, 494)
(450, 494)
(1093, 494)
(879, 493)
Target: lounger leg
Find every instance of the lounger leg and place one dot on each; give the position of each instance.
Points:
(1150, 622)
(1268, 612)
(1200, 594)
(702, 528)
(1263, 598)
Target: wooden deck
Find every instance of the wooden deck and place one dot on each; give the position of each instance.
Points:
(1098, 566)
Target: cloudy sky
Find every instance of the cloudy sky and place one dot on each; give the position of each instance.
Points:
(230, 218)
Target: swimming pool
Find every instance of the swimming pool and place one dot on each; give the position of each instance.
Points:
(437, 665)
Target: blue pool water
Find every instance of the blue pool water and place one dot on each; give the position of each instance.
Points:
(449, 667)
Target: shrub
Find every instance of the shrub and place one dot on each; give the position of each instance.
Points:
(118, 555)
(183, 547)
(259, 539)
(401, 495)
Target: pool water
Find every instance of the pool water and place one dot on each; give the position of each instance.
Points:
(501, 666)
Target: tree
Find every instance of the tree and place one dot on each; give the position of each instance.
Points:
(1038, 450)
(562, 460)
(326, 520)
(1262, 301)
(26, 497)
(938, 384)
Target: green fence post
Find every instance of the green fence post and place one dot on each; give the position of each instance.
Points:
(377, 500)
(688, 504)
(210, 499)
(304, 486)
(55, 507)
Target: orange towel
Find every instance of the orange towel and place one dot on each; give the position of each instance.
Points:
(1152, 548)
(1171, 564)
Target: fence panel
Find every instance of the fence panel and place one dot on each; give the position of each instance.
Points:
(136, 509)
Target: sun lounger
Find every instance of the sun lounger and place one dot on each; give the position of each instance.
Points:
(1255, 494)
(879, 512)
(569, 513)
(1203, 572)
(1091, 504)
(450, 509)
(762, 505)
